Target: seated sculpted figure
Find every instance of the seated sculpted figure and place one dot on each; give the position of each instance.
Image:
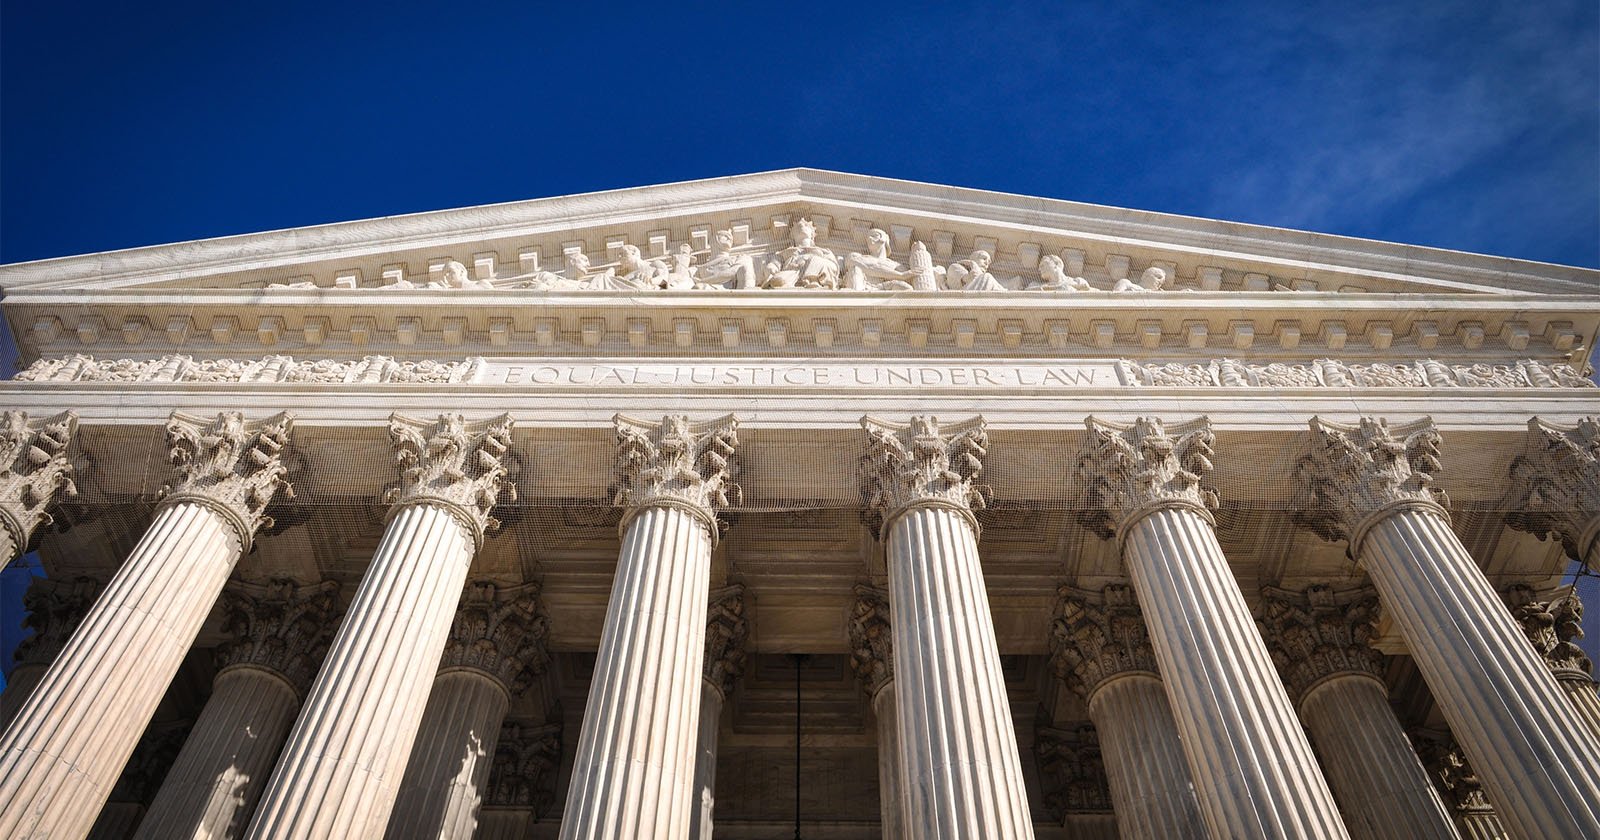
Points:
(803, 264)
(725, 269)
(678, 272)
(875, 270)
(455, 276)
(1151, 280)
(1053, 277)
(972, 274)
(632, 274)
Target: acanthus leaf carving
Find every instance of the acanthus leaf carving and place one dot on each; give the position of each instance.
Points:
(871, 638)
(1354, 471)
(455, 465)
(35, 471)
(1551, 626)
(1098, 635)
(1555, 484)
(499, 631)
(1320, 632)
(675, 462)
(727, 630)
(281, 627)
(55, 608)
(1447, 765)
(1071, 771)
(922, 463)
(232, 466)
(523, 773)
(1125, 470)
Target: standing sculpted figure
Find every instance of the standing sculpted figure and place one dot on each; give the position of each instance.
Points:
(1151, 280)
(972, 274)
(1053, 277)
(725, 269)
(875, 270)
(803, 264)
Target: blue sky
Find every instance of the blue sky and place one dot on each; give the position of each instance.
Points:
(1467, 126)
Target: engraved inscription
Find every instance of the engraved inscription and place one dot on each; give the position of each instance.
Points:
(875, 376)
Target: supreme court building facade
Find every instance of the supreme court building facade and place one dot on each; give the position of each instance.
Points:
(895, 509)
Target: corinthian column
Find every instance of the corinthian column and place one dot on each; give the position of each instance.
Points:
(958, 745)
(1550, 627)
(1253, 769)
(872, 657)
(1319, 639)
(1072, 773)
(1460, 786)
(495, 650)
(56, 770)
(280, 632)
(55, 609)
(522, 780)
(1555, 487)
(633, 775)
(1538, 760)
(1101, 649)
(34, 472)
(726, 632)
(339, 773)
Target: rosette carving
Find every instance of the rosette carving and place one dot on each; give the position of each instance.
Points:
(1555, 484)
(871, 638)
(452, 464)
(232, 466)
(1352, 472)
(501, 632)
(1127, 470)
(34, 471)
(922, 464)
(280, 627)
(1320, 632)
(677, 463)
(523, 774)
(54, 609)
(1071, 771)
(727, 630)
(1096, 636)
(1551, 626)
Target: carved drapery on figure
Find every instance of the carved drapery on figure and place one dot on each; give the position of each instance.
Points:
(1354, 472)
(677, 463)
(231, 466)
(871, 639)
(1097, 636)
(1071, 771)
(280, 627)
(922, 463)
(1555, 484)
(1321, 632)
(501, 632)
(1551, 626)
(54, 610)
(526, 759)
(727, 630)
(34, 472)
(458, 466)
(1129, 470)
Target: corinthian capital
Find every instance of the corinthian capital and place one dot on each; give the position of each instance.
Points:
(34, 470)
(1071, 771)
(923, 464)
(523, 774)
(501, 632)
(727, 629)
(452, 464)
(1555, 484)
(54, 608)
(677, 463)
(1550, 627)
(1321, 632)
(871, 639)
(1353, 472)
(231, 466)
(1127, 470)
(1447, 764)
(1096, 636)
(280, 627)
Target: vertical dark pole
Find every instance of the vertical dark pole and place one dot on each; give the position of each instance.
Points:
(798, 659)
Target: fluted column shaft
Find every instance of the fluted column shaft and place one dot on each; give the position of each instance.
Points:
(1253, 769)
(891, 782)
(705, 763)
(1147, 772)
(339, 773)
(1539, 762)
(633, 775)
(1369, 762)
(218, 777)
(1582, 691)
(445, 780)
(64, 750)
(958, 744)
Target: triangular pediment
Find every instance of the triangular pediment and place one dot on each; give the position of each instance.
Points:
(510, 245)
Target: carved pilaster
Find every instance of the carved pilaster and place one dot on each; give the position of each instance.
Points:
(454, 465)
(871, 639)
(233, 467)
(34, 472)
(499, 631)
(1550, 627)
(1127, 471)
(1555, 485)
(692, 466)
(523, 774)
(1321, 632)
(1096, 636)
(922, 464)
(1353, 474)
(1071, 773)
(281, 627)
(727, 629)
(55, 609)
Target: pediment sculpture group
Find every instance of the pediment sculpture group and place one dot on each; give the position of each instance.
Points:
(802, 264)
